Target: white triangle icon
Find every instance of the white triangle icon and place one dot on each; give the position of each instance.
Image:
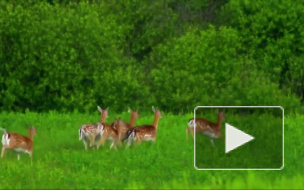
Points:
(235, 138)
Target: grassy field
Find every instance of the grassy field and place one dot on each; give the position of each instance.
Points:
(60, 161)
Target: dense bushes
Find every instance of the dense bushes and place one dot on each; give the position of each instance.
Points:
(204, 68)
(63, 58)
(271, 33)
(140, 53)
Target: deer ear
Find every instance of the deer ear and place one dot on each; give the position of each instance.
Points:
(153, 108)
(99, 108)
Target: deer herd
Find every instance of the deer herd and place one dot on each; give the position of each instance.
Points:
(116, 132)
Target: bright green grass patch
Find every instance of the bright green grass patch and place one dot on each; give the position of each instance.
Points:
(60, 161)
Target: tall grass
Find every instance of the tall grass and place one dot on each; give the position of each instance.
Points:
(60, 161)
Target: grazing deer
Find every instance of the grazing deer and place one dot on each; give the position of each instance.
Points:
(18, 143)
(122, 127)
(89, 132)
(212, 130)
(144, 132)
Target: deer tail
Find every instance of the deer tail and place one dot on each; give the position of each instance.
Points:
(130, 134)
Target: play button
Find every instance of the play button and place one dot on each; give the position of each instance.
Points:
(235, 138)
(245, 137)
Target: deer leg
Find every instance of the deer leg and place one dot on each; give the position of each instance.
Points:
(130, 139)
(138, 141)
(119, 142)
(119, 139)
(3, 151)
(113, 145)
(92, 139)
(187, 131)
(129, 142)
(31, 155)
(102, 140)
(192, 132)
(212, 142)
(85, 144)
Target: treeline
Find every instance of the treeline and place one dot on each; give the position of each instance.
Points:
(74, 55)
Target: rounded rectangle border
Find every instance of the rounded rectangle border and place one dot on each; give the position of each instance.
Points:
(261, 107)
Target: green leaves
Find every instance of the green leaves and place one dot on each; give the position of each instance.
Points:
(73, 55)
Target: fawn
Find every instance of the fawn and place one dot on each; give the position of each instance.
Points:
(89, 132)
(144, 132)
(19, 143)
(212, 130)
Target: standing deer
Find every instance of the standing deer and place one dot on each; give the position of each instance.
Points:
(144, 132)
(19, 143)
(122, 127)
(89, 132)
(109, 133)
(104, 114)
(212, 130)
(106, 131)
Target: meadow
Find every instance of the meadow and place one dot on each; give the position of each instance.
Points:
(60, 161)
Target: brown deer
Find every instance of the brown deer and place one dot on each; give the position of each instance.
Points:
(123, 127)
(104, 114)
(89, 132)
(19, 143)
(109, 133)
(212, 130)
(144, 132)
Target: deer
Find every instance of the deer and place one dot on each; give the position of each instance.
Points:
(210, 129)
(18, 143)
(89, 132)
(109, 133)
(144, 132)
(104, 114)
(123, 127)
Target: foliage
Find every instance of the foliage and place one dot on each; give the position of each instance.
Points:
(72, 55)
(204, 68)
(59, 58)
(272, 34)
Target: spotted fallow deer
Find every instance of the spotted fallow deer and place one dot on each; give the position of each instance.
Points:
(212, 130)
(19, 143)
(123, 127)
(144, 132)
(89, 132)
(109, 133)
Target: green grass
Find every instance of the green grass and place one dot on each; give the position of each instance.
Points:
(60, 161)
